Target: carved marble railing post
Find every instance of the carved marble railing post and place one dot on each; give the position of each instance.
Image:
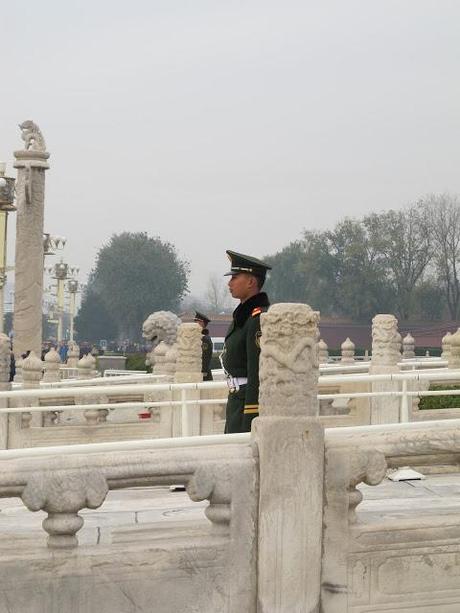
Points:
(18, 369)
(454, 354)
(386, 346)
(73, 355)
(446, 346)
(290, 442)
(408, 347)
(31, 163)
(51, 363)
(5, 385)
(32, 373)
(323, 352)
(186, 419)
(62, 494)
(86, 370)
(347, 351)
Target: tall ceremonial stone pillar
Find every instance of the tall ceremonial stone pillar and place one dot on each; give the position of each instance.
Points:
(386, 353)
(31, 163)
(290, 442)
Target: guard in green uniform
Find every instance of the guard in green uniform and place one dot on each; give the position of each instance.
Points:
(206, 345)
(240, 356)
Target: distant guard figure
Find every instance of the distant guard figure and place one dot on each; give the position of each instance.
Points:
(240, 356)
(206, 345)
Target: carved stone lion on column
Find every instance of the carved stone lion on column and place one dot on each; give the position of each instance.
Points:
(160, 328)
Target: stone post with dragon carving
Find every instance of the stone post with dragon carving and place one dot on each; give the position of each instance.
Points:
(386, 353)
(188, 370)
(31, 163)
(290, 443)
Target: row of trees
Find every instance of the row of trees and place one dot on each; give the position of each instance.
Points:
(405, 262)
(134, 275)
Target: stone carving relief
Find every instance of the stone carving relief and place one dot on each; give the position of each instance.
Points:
(189, 348)
(160, 328)
(213, 483)
(289, 360)
(32, 136)
(386, 341)
(73, 354)
(62, 494)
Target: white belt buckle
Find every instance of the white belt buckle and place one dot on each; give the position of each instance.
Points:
(233, 385)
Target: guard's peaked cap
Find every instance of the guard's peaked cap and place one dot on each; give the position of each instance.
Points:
(246, 263)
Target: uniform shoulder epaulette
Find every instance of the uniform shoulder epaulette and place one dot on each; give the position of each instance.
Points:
(256, 311)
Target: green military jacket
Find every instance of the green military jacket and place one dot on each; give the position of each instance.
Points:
(240, 358)
(206, 346)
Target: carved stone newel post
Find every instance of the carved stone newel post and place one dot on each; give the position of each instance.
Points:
(73, 355)
(408, 347)
(453, 359)
(290, 441)
(386, 353)
(323, 352)
(446, 346)
(31, 163)
(188, 370)
(347, 352)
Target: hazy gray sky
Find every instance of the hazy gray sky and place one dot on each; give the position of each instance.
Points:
(231, 124)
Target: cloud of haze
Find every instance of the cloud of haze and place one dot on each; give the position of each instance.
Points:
(233, 125)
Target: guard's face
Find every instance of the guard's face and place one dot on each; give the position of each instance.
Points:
(241, 286)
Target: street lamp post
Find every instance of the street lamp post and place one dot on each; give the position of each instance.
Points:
(6, 205)
(61, 270)
(73, 287)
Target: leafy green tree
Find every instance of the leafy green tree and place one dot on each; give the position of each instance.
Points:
(93, 321)
(443, 211)
(135, 275)
(403, 245)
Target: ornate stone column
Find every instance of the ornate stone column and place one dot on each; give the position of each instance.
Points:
(348, 352)
(323, 352)
(188, 370)
(386, 344)
(31, 163)
(290, 442)
(408, 347)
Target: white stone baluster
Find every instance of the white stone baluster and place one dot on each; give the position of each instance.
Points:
(52, 363)
(73, 355)
(453, 359)
(408, 347)
(446, 346)
(62, 494)
(323, 352)
(288, 429)
(347, 351)
(32, 373)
